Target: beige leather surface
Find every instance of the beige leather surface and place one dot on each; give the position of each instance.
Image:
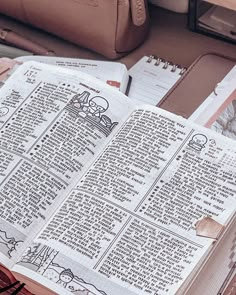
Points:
(169, 38)
(196, 84)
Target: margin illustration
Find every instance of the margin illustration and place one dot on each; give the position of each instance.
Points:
(92, 110)
(44, 260)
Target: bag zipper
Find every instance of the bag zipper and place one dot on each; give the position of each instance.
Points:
(138, 11)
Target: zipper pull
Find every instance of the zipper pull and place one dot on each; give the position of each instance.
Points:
(138, 10)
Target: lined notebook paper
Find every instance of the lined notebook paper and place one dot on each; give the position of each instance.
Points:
(152, 77)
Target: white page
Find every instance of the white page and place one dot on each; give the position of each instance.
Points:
(151, 81)
(53, 122)
(217, 275)
(113, 73)
(130, 220)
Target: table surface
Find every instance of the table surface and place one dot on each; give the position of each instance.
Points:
(171, 39)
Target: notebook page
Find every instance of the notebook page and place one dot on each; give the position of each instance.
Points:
(152, 78)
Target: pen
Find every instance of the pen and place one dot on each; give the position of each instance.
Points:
(15, 39)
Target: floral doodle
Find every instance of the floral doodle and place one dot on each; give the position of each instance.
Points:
(10, 242)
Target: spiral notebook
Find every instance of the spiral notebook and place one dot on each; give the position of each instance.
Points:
(152, 78)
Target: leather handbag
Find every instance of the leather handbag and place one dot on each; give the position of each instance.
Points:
(110, 27)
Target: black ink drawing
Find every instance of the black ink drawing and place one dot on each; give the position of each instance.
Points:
(198, 142)
(45, 261)
(4, 111)
(10, 243)
(92, 110)
(65, 277)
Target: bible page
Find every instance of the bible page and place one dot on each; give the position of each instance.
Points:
(131, 224)
(111, 72)
(218, 274)
(53, 121)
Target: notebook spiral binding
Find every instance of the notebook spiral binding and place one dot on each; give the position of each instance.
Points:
(158, 61)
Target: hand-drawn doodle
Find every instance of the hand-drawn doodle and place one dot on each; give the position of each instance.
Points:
(11, 243)
(3, 111)
(80, 103)
(92, 110)
(46, 261)
(198, 142)
(97, 105)
(65, 277)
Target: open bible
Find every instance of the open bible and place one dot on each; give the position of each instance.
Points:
(102, 195)
(113, 73)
